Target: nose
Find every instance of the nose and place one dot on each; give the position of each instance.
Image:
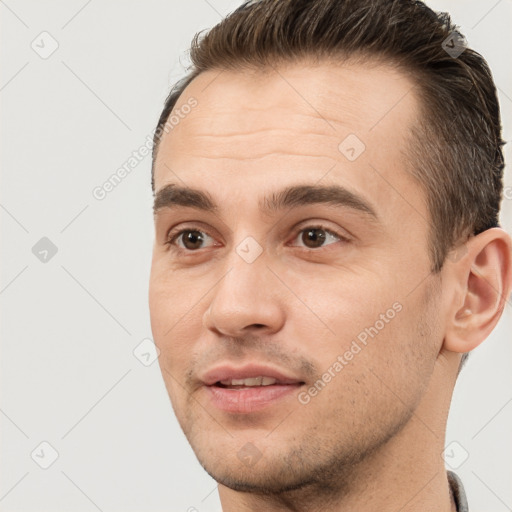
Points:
(247, 300)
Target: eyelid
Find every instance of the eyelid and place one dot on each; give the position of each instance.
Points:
(343, 234)
(178, 228)
(173, 235)
(297, 231)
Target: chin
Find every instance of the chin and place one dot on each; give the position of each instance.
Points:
(256, 481)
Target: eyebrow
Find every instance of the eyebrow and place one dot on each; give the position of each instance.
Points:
(172, 196)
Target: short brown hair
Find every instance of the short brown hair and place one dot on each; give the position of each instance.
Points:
(455, 151)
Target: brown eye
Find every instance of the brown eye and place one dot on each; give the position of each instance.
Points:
(313, 237)
(188, 239)
(192, 239)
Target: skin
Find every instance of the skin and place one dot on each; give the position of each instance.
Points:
(372, 438)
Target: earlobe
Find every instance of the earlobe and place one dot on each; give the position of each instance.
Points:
(483, 280)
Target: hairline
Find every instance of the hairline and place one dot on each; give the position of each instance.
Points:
(351, 57)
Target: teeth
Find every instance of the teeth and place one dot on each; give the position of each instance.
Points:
(252, 381)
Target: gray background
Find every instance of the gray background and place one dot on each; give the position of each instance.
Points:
(71, 323)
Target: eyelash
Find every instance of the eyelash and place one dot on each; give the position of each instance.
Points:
(173, 236)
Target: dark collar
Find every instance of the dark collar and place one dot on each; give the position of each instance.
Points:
(458, 493)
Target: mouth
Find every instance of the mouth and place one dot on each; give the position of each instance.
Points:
(249, 382)
(240, 392)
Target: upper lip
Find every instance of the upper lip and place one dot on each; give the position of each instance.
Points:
(227, 372)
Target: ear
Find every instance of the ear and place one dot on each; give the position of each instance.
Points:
(482, 282)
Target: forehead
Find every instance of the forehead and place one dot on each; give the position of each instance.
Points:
(298, 120)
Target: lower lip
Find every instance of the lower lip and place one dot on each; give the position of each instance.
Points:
(250, 399)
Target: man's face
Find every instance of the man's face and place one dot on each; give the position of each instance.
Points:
(332, 299)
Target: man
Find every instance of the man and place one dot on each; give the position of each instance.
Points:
(327, 185)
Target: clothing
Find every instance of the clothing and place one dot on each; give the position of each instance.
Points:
(458, 492)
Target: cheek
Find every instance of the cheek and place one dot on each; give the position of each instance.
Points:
(172, 299)
(172, 335)
(168, 315)
(160, 307)
(373, 381)
(335, 306)
(367, 321)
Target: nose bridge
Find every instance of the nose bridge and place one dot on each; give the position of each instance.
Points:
(244, 296)
(247, 271)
